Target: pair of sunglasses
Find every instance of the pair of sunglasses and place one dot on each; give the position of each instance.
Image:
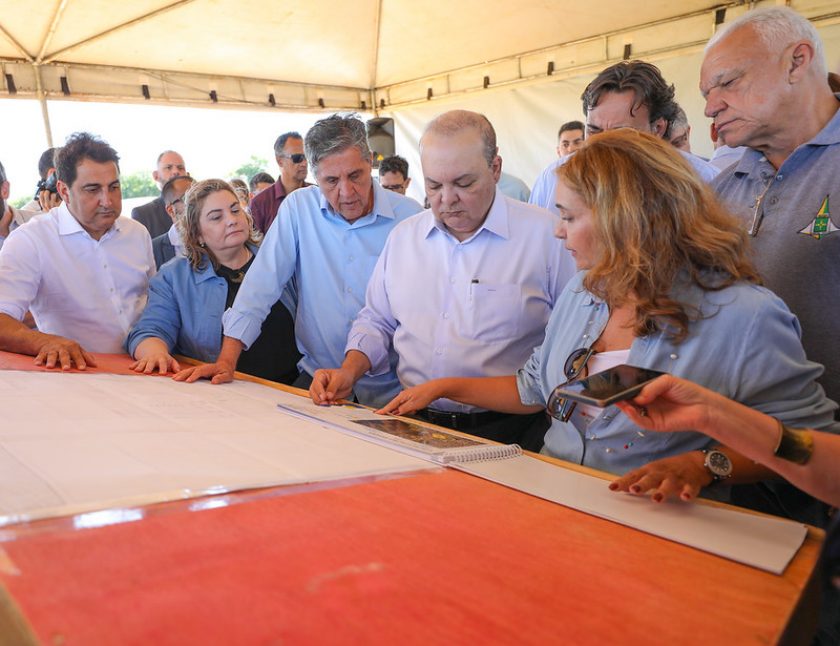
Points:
(296, 158)
(558, 406)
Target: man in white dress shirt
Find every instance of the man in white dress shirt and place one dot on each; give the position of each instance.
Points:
(80, 269)
(462, 289)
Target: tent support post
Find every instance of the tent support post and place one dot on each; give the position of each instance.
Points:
(42, 99)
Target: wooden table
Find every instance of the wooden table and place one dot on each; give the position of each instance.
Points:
(430, 557)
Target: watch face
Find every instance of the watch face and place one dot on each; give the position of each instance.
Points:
(718, 463)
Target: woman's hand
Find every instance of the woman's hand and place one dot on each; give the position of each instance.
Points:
(163, 362)
(680, 476)
(670, 404)
(413, 399)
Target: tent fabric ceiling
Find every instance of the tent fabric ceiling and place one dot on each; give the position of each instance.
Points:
(327, 54)
(362, 44)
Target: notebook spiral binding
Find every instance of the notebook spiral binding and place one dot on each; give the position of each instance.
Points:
(482, 454)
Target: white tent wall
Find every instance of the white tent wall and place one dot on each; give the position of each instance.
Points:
(527, 117)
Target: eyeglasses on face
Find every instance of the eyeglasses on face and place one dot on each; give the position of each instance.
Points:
(558, 406)
(296, 158)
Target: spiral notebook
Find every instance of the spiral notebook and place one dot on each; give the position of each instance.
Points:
(420, 441)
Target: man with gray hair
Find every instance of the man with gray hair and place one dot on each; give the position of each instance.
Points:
(325, 242)
(491, 273)
(764, 80)
(153, 215)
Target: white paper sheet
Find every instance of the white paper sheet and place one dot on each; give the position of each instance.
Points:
(760, 541)
(78, 442)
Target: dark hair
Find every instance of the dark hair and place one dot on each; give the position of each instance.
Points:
(2, 178)
(170, 187)
(78, 147)
(335, 134)
(571, 125)
(394, 164)
(645, 80)
(47, 161)
(280, 144)
(260, 178)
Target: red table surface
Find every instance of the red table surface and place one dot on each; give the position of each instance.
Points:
(432, 558)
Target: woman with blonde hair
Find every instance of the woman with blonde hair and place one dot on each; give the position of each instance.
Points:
(664, 282)
(189, 295)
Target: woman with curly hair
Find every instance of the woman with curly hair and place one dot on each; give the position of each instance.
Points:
(665, 282)
(189, 295)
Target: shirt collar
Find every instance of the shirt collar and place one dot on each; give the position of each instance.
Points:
(206, 272)
(496, 221)
(382, 206)
(68, 224)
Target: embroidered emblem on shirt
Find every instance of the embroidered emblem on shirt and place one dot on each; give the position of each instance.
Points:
(822, 224)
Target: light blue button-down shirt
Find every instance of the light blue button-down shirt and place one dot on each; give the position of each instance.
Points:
(745, 346)
(543, 192)
(331, 260)
(475, 308)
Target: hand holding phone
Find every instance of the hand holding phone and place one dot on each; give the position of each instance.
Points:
(608, 387)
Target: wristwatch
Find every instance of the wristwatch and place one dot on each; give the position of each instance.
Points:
(718, 464)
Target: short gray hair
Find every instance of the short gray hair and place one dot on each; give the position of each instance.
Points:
(777, 27)
(335, 134)
(454, 121)
(680, 119)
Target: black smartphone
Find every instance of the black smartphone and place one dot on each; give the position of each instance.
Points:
(608, 387)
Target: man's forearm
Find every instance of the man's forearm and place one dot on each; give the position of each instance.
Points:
(17, 337)
(356, 363)
(231, 349)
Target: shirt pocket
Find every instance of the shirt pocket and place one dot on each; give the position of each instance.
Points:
(494, 312)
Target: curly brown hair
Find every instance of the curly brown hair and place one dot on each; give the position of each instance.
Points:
(656, 223)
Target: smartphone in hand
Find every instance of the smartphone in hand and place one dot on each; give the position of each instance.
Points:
(608, 387)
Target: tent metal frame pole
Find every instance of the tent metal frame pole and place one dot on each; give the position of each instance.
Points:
(42, 99)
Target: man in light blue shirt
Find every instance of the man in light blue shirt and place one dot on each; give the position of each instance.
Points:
(629, 94)
(326, 239)
(491, 273)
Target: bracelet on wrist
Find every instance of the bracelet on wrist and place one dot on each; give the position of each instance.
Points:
(795, 445)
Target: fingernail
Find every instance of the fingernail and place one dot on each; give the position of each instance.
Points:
(657, 497)
(635, 488)
(613, 486)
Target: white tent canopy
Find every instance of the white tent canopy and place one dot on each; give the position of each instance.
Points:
(523, 63)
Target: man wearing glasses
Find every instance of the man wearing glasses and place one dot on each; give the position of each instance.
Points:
(168, 245)
(393, 174)
(774, 99)
(288, 151)
(153, 215)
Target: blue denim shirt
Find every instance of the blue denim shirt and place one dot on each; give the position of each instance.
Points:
(746, 346)
(185, 310)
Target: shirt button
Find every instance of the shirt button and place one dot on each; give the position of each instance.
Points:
(438, 352)
(779, 177)
(350, 259)
(774, 200)
(673, 356)
(585, 336)
(349, 290)
(446, 315)
(452, 281)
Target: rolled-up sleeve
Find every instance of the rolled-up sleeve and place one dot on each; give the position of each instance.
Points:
(528, 381)
(20, 274)
(161, 319)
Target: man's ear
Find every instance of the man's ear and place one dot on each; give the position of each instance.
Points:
(155, 175)
(496, 167)
(407, 182)
(801, 55)
(63, 191)
(4, 191)
(660, 127)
